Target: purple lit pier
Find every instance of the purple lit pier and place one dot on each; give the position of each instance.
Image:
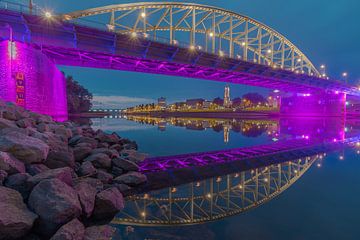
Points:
(31, 80)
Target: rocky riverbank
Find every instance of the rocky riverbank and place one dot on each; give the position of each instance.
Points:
(60, 180)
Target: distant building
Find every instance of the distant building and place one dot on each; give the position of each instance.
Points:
(195, 103)
(227, 100)
(237, 102)
(218, 101)
(162, 102)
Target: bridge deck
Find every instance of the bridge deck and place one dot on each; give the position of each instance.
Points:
(75, 45)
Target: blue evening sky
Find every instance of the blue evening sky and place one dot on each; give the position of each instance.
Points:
(327, 31)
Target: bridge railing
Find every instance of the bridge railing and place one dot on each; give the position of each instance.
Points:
(15, 6)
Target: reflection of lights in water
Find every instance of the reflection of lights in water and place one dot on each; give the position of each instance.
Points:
(318, 165)
(341, 157)
(218, 179)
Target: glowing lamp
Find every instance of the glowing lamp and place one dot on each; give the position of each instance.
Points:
(48, 14)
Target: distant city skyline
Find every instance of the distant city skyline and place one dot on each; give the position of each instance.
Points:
(314, 34)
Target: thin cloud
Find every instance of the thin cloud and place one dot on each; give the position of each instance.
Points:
(118, 102)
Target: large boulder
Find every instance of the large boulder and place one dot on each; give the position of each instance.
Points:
(55, 142)
(10, 164)
(108, 203)
(25, 123)
(110, 152)
(36, 168)
(15, 219)
(56, 204)
(3, 176)
(104, 232)
(108, 138)
(27, 149)
(99, 160)
(80, 153)
(81, 139)
(4, 123)
(18, 182)
(62, 174)
(58, 159)
(104, 176)
(87, 169)
(125, 164)
(86, 192)
(131, 179)
(73, 230)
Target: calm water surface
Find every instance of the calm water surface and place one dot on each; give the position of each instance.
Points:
(322, 203)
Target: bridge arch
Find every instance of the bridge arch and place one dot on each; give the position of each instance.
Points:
(204, 28)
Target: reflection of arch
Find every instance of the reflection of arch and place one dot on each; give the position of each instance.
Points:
(208, 28)
(213, 198)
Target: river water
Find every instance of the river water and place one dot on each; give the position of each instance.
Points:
(307, 196)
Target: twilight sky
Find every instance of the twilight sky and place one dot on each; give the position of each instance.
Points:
(327, 31)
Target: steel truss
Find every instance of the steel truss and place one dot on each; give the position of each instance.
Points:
(205, 28)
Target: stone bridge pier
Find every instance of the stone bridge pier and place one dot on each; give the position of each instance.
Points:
(30, 79)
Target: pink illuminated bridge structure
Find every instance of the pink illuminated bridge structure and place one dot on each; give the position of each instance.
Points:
(177, 39)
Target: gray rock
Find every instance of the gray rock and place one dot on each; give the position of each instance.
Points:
(18, 182)
(25, 148)
(108, 203)
(133, 155)
(36, 168)
(43, 127)
(104, 232)
(10, 164)
(99, 160)
(115, 171)
(81, 139)
(4, 123)
(125, 164)
(93, 182)
(63, 131)
(56, 204)
(116, 147)
(111, 153)
(10, 115)
(58, 159)
(3, 176)
(62, 174)
(131, 179)
(108, 138)
(103, 145)
(104, 176)
(123, 188)
(80, 153)
(25, 123)
(86, 193)
(87, 169)
(73, 230)
(15, 219)
(55, 142)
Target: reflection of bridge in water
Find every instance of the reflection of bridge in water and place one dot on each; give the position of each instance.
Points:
(196, 194)
(201, 187)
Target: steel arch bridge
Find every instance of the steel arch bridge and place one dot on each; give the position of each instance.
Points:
(205, 28)
(214, 198)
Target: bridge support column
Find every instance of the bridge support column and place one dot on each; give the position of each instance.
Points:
(318, 104)
(29, 79)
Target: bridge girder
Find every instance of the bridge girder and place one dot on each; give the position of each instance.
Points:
(212, 29)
